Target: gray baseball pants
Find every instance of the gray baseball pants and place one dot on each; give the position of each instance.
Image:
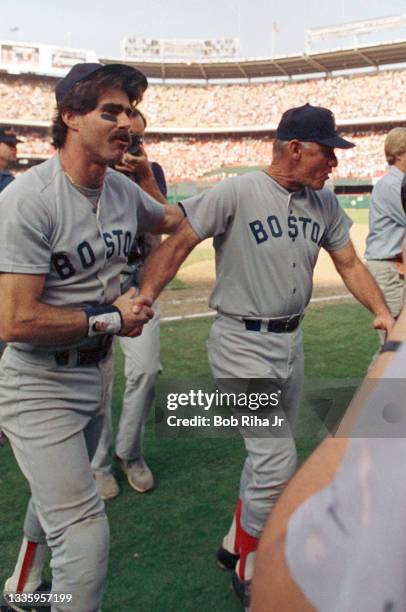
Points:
(141, 368)
(236, 354)
(53, 417)
(392, 286)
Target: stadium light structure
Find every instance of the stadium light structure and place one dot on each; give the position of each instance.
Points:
(355, 28)
(133, 47)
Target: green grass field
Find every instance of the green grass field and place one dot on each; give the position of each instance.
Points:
(163, 543)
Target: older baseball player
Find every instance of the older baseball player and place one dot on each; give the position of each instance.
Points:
(141, 355)
(387, 225)
(67, 228)
(336, 539)
(268, 228)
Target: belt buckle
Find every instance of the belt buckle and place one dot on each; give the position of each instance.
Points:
(263, 326)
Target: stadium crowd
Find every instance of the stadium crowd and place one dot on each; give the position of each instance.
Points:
(196, 106)
(263, 103)
(26, 98)
(192, 158)
(31, 99)
(196, 158)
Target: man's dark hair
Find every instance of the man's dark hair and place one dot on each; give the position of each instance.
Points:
(137, 113)
(84, 96)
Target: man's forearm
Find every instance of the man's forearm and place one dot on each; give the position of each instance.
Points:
(161, 267)
(45, 325)
(163, 264)
(364, 288)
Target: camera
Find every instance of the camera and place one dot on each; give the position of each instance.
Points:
(135, 145)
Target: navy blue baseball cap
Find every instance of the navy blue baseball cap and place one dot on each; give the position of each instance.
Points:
(8, 136)
(311, 124)
(84, 71)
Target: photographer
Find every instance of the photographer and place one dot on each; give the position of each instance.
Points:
(141, 354)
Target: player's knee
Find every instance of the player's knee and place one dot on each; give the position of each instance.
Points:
(142, 378)
(276, 469)
(289, 464)
(32, 527)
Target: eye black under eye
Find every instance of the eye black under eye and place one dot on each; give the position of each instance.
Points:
(109, 116)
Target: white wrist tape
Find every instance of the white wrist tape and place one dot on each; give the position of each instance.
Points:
(103, 319)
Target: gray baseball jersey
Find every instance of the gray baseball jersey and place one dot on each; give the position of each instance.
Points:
(267, 241)
(387, 219)
(48, 227)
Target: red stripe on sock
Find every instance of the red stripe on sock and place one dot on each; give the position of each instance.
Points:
(26, 566)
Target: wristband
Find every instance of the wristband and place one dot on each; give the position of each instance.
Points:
(391, 345)
(103, 319)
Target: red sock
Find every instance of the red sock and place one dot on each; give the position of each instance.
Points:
(249, 544)
(245, 543)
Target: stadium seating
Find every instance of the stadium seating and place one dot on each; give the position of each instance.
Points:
(30, 99)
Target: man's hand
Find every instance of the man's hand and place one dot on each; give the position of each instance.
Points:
(137, 165)
(135, 312)
(385, 322)
(134, 333)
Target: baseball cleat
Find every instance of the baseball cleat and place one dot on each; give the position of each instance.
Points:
(242, 588)
(225, 559)
(6, 606)
(138, 474)
(106, 485)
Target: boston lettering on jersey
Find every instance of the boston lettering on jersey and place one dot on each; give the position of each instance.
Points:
(309, 228)
(117, 242)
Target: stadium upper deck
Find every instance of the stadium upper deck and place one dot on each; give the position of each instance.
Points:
(357, 100)
(201, 127)
(318, 62)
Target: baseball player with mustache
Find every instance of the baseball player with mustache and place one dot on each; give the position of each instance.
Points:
(67, 228)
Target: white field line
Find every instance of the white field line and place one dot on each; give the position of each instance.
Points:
(212, 313)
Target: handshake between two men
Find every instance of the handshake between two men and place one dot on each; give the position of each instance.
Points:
(135, 311)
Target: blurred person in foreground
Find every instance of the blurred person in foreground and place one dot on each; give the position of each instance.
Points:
(336, 539)
(141, 355)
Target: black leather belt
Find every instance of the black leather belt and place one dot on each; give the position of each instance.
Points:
(276, 326)
(84, 356)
